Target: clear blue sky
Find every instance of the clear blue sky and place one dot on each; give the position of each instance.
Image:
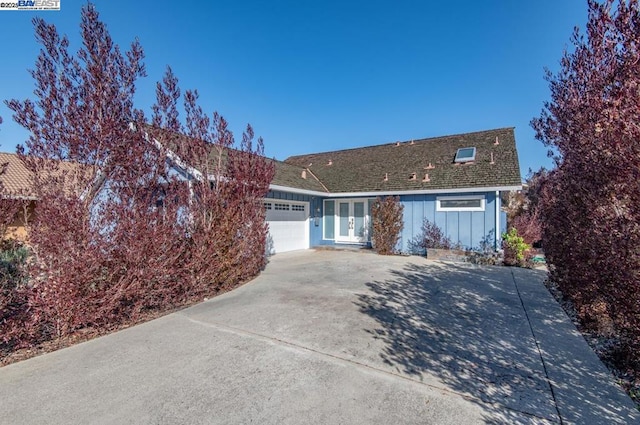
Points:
(314, 76)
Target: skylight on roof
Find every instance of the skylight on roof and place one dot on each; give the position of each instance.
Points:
(465, 155)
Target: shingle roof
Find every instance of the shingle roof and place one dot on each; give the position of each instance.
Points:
(16, 179)
(364, 169)
(290, 175)
(287, 175)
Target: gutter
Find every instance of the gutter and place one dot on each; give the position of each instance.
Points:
(498, 236)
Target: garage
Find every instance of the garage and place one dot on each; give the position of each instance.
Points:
(288, 225)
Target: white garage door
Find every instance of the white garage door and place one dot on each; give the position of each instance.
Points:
(288, 225)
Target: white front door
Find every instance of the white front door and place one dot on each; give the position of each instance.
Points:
(352, 221)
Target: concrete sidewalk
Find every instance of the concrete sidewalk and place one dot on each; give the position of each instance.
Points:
(335, 337)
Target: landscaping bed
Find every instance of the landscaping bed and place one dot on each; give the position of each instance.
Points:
(607, 348)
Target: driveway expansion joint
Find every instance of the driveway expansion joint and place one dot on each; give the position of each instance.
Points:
(333, 357)
(533, 333)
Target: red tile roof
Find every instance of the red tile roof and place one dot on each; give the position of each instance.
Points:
(16, 179)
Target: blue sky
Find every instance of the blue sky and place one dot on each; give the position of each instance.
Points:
(314, 76)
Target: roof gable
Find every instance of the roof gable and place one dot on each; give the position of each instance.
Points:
(425, 164)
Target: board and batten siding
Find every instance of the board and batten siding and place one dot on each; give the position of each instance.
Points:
(315, 212)
(288, 196)
(468, 228)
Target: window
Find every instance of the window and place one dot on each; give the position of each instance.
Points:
(281, 207)
(460, 203)
(329, 219)
(297, 207)
(267, 205)
(465, 155)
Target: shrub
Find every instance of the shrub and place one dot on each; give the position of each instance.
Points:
(528, 226)
(515, 248)
(13, 292)
(430, 236)
(13, 257)
(117, 232)
(522, 207)
(386, 215)
(590, 206)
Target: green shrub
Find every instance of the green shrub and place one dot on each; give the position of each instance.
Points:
(515, 248)
(13, 294)
(13, 256)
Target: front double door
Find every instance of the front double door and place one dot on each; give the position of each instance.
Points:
(352, 221)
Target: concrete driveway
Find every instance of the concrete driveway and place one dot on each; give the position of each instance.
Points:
(333, 337)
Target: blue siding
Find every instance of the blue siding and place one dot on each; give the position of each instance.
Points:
(479, 226)
(467, 228)
(451, 228)
(315, 203)
(316, 222)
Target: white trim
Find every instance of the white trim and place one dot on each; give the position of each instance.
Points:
(389, 192)
(288, 189)
(465, 159)
(482, 206)
(498, 236)
(175, 158)
(354, 238)
(290, 202)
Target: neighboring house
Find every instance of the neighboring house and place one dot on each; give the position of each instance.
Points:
(16, 185)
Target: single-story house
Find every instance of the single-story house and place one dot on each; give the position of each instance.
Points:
(454, 181)
(326, 198)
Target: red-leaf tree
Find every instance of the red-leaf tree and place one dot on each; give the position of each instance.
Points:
(522, 207)
(97, 234)
(10, 205)
(227, 229)
(590, 204)
(117, 230)
(12, 276)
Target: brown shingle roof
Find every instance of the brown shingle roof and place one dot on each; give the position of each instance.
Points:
(287, 175)
(364, 169)
(290, 175)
